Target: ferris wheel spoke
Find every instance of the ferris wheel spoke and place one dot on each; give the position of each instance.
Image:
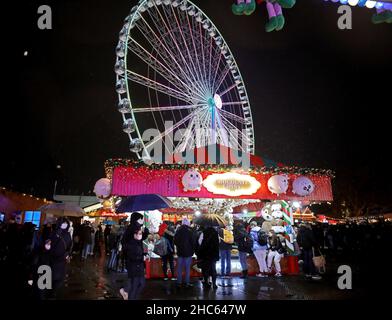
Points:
(231, 116)
(181, 146)
(222, 132)
(166, 54)
(203, 45)
(234, 142)
(221, 94)
(191, 30)
(171, 129)
(158, 66)
(191, 59)
(234, 103)
(215, 70)
(168, 108)
(133, 76)
(244, 137)
(221, 78)
(170, 32)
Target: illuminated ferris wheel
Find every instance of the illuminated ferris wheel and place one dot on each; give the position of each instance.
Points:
(175, 73)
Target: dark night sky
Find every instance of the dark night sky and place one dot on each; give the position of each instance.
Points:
(317, 93)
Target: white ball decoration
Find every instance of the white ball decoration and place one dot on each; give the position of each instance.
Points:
(303, 186)
(103, 188)
(278, 184)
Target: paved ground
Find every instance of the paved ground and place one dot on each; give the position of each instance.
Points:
(89, 280)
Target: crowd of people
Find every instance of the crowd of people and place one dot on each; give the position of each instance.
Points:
(23, 249)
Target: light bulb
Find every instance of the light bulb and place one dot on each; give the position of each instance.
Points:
(370, 4)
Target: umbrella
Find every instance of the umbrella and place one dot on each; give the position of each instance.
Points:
(62, 210)
(211, 220)
(143, 202)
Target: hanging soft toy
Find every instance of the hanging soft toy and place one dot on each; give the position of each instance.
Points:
(381, 16)
(276, 19)
(274, 7)
(244, 7)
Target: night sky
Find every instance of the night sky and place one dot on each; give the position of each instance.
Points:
(319, 95)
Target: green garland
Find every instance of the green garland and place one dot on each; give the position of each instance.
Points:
(113, 163)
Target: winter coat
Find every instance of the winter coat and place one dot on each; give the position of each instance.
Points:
(135, 258)
(223, 245)
(85, 235)
(59, 250)
(306, 238)
(275, 244)
(254, 235)
(209, 248)
(184, 241)
(169, 236)
(244, 240)
(128, 235)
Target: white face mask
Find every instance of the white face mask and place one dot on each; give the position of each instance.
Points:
(138, 236)
(64, 225)
(47, 246)
(140, 221)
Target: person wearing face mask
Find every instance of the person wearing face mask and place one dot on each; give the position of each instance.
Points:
(57, 254)
(136, 220)
(134, 264)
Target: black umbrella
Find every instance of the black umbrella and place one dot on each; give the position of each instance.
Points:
(143, 202)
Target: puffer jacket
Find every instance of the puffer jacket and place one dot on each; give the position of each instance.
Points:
(135, 258)
(254, 235)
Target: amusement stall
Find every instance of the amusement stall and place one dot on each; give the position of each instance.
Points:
(224, 189)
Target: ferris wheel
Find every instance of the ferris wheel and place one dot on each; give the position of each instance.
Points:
(176, 74)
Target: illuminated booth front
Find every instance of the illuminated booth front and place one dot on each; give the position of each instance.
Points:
(219, 188)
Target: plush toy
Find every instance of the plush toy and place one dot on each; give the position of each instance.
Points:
(274, 8)
(276, 19)
(278, 183)
(303, 186)
(192, 180)
(244, 7)
(266, 215)
(381, 16)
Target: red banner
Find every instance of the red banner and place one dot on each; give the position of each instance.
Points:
(129, 181)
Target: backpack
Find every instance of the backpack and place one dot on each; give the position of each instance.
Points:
(228, 236)
(160, 247)
(262, 238)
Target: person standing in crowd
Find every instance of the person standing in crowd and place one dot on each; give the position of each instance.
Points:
(168, 234)
(106, 235)
(92, 235)
(185, 243)
(276, 251)
(226, 240)
(260, 242)
(245, 245)
(134, 263)
(128, 237)
(307, 242)
(57, 254)
(208, 255)
(97, 241)
(86, 239)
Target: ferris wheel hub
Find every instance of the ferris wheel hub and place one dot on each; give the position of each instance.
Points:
(215, 102)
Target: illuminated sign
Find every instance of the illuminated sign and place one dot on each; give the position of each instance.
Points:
(231, 184)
